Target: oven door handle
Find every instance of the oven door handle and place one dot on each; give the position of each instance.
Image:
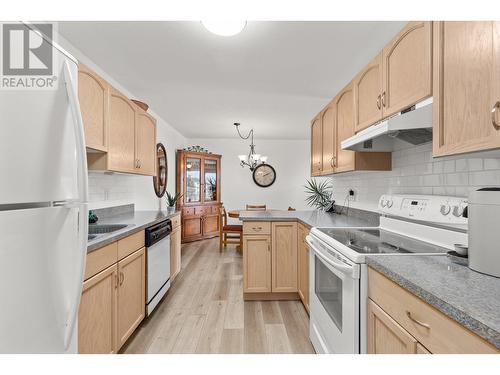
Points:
(348, 270)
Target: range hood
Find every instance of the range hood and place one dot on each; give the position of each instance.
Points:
(413, 126)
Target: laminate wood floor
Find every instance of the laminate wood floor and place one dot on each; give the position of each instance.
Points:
(204, 312)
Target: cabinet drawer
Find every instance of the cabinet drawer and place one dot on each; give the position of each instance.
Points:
(201, 210)
(215, 210)
(100, 259)
(257, 227)
(440, 334)
(130, 244)
(176, 221)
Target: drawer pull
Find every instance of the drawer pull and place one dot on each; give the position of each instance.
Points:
(425, 325)
(493, 114)
(257, 228)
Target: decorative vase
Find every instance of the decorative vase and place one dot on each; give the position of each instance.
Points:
(170, 209)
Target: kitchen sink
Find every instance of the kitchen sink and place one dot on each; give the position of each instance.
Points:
(104, 228)
(91, 237)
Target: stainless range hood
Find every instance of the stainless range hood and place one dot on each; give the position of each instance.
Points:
(413, 126)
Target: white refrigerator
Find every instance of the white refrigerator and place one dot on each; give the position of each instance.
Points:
(43, 214)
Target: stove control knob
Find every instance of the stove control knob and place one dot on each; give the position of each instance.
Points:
(458, 211)
(389, 204)
(445, 209)
(383, 203)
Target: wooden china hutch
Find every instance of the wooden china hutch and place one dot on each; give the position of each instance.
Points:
(198, 180)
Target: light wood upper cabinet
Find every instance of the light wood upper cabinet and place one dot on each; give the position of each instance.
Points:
(466, 87)
(121, 147)
(97, 317)
(344, 105)
(407, 68)
(316, 147)
(119, 136)
(368, 88)
(131, 294)
(328, 138)
(145, 143)
(385, 335)
(284, 257)
(256, 264)
(93, 97)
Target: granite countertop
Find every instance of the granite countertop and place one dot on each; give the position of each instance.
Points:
(355, 218)
(135, 221)
(468, 297)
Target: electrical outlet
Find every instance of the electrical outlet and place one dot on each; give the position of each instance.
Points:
(351, 195)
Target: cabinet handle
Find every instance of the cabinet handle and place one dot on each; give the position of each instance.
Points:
(425, 325)
(268, 247)
(332, 164)
(378, 101)
(138, 163)
(383, 99)
(116, 281)
(122, 278)
(257, 228)
(493, 113)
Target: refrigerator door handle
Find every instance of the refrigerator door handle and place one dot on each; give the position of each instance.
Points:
(78, 283)
(81, 151)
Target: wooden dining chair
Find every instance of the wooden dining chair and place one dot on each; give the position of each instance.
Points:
(229, 234)
(256, 207)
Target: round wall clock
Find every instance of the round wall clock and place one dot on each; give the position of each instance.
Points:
(264, 175)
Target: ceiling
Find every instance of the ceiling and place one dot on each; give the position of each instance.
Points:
(273, 76)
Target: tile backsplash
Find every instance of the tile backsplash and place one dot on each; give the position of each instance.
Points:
(415, 171)
(108, 189)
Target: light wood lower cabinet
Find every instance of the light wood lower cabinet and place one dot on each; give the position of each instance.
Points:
(113, 300)
(303, 260)
(385, 336)
(257, 263)
(400, 322)
(97, 316)
(131, 294)
(175, 252)
(284, 257)
(270, 260)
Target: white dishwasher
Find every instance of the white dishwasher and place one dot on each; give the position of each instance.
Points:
(158, 263)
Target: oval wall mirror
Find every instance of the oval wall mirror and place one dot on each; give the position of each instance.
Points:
(160, 180)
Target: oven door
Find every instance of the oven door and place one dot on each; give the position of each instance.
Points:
(334, 300)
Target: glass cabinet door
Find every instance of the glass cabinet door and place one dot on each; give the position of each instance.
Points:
(193, 180)
(210, 180)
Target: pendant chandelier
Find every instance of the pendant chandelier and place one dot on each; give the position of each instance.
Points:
(253, 159)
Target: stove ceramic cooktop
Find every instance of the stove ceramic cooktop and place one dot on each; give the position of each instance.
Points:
(378, 241)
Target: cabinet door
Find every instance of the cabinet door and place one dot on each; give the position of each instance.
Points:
(192, 227)
(328, 139)
(284, 257)
(145, 144)
(192, 192)
(175, 253)
(97, 316)
(93, 98)
(407, 67)
(368, 94)
(121, 144)
(256, 264)
(131, 294)
(345, 128)
(303, 257)
(385, 336)
(210, 180)
(316, 145)
(210, 225)
(467, 85)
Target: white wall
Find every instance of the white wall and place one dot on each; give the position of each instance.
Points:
(414, 171)
(290, 159)
(110, 189)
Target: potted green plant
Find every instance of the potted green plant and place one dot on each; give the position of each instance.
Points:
(319, 194)
(172, 201)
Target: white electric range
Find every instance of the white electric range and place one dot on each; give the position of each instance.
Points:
(338, 286)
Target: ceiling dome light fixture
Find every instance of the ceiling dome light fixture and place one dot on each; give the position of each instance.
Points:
(224, 27)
